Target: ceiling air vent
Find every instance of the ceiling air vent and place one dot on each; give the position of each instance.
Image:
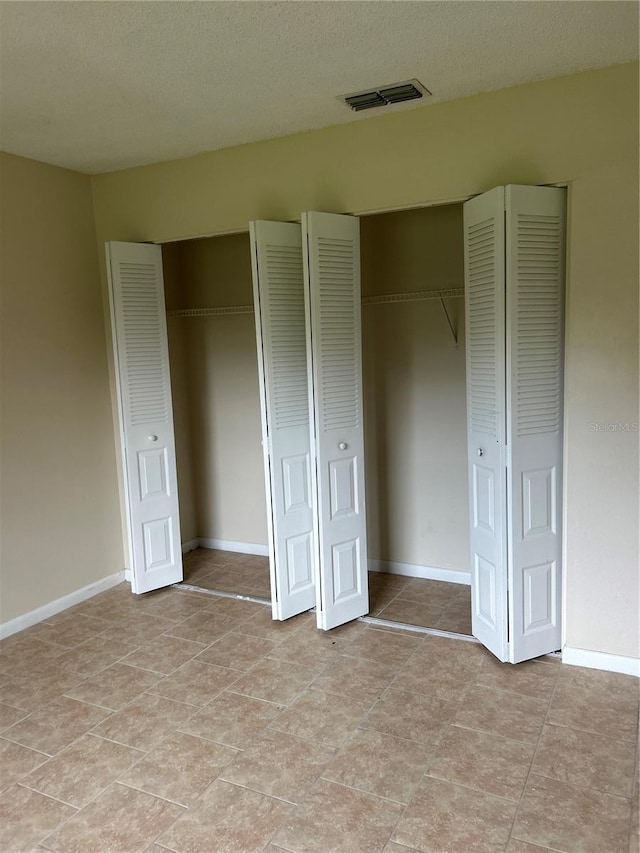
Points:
(396, 93)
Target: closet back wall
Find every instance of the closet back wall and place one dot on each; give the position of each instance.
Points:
(214, 378)
(414, 390)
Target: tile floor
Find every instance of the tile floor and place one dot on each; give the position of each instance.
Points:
(414, 601)
(193, 723)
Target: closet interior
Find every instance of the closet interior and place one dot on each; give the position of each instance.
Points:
(414, 415)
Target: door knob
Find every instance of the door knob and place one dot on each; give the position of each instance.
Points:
(153, 438)
(342, 445)
(480, 451)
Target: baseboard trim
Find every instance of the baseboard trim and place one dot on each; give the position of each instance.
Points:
(57, 606)
(413, 570)
(601, 660)
(190, 545)
(240, 547)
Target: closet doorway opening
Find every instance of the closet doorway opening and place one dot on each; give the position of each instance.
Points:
(414, 409)
(413, 340)
(216, 411)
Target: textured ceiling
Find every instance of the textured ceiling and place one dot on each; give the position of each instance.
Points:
(98, 86)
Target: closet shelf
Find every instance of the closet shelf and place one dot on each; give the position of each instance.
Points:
(210, 312)
(415, 296)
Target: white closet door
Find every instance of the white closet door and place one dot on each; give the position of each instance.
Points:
(331, 245)
(484, 263)
(278, 289)
(146, 419)
(535, 241)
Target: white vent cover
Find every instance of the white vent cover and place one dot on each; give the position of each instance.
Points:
(383, 96)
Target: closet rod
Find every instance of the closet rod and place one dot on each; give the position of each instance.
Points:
(447, 293)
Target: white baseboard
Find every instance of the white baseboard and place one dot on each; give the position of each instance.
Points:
(601, 660)
(190, 545)
(240, 547)
(414, 571)
(57, 606)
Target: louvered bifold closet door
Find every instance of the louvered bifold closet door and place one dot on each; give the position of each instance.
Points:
(535, 241)
(484, 262)
(278, 289)
(141, 354)
(332, 253)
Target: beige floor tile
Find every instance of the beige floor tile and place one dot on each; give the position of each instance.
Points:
(164, 654)
(353, 676)
(456, 619)
(232, 719)
(279, 765)
(322, 717)
(393, 847)
(411, 716)
(335, 819)
(502, 713)
(145, 722)
(373, 645)
(9, 716)
(125, 821)
(263, 625)
(115, 687)
(37, 686)
(585, 759)
(412, 612)
(441, 592)
(27, 817)
(171, 604)
(27, 646)
(237, 651)
(380, 764)
(581, 703)
(226, 819)
(515, 846)
(72, 631)
(56, 725)
(379, 599)
(234, 609)
(275, 681)
(531, 678)
(180, 768)
(19, 656)
(195, 683)
(565, 817)
(136, 628)
(444, 673)
(312, 648)
(17, 761)
(94, 655)
(204, 627)
(484, 762)
(443, 818)
(82, 771)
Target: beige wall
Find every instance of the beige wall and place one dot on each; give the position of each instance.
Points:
(582, 130)
(215, 359)
(414, 382)
(59, 498)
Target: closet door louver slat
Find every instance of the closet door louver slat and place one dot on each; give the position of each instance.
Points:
(485, 353)
(535, 240)
(146, 420)
(332, 267)
(278, 287)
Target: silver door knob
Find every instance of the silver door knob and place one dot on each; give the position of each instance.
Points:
(153, 438)
(343, 445)
(480, 451)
